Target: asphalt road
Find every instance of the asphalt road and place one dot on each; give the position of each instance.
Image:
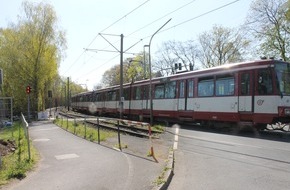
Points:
(215, 161)
(72, 163)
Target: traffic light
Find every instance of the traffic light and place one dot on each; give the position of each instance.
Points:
(28, 89)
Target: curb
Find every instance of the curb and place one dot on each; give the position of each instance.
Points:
(168, 174)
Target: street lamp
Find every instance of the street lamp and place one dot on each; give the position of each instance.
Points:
(144, 60)
(150, 73)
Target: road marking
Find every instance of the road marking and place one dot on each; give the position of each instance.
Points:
(66, 156)
(48, 129)
(175, 138)
(175, 144)
(41, 140)
(220, 141)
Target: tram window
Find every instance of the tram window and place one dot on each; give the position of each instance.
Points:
(126, 93)
(245, 84)
(89, 97)
(170, 90)
(205, 88)
(138, 93)
(181, 89)
(145, 92)
(225, 86)
(159, 91)
(111, 96)
(264, 82)
(99, 97)
(190, 88)
(96, 97)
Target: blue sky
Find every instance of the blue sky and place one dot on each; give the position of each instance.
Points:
(83, 20)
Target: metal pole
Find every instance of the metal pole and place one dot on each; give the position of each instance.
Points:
(150, 73)
(98, 122)
(28, 142)
(121, 78)
(28, 108)
(144, 61)
(119, 138)
(68, 94)
(85, 122)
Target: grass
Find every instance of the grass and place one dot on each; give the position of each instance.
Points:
(161, 178)
(159, 128)
(84, 130)
(17, 163)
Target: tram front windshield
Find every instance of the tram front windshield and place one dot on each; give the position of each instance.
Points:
(283, 76)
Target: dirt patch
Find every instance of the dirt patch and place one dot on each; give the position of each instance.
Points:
(6, 147)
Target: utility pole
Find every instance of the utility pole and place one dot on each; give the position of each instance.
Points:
(121, 78)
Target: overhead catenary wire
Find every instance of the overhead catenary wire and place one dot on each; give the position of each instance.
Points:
(167, 14)
(118, 20)
(196, 17)
(177, 25)
(208, 12)
(147, 25)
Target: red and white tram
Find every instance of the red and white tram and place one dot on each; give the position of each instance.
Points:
(254, 93)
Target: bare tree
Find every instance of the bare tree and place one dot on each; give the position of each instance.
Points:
(268, 23)
(220, 46)
(173, 52)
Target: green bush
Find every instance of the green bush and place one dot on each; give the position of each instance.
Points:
(16, 163)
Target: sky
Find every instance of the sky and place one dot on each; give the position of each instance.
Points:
(95, 25)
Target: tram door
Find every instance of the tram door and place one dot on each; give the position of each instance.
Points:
(182, 102)
(246, 92)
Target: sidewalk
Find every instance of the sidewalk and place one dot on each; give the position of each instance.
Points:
(70, 162)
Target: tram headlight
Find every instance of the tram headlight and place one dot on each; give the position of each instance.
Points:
(287, 111)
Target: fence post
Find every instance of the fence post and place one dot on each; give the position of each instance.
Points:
(98, 122)
(85, 123)
(119, 138)
(19, 137)
(75, 125)
(28, 143)
(66, 123)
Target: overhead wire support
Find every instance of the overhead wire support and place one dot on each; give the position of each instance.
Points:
(110, 42)
(133, 45)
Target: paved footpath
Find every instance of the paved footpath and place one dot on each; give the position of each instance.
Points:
(69, 162)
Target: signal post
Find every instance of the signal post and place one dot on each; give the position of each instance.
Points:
(28, 90)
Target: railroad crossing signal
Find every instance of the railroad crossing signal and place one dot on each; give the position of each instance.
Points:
(28, 89)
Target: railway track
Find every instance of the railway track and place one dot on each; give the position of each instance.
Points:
(138, 129)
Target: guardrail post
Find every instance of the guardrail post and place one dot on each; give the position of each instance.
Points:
(66, 123)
